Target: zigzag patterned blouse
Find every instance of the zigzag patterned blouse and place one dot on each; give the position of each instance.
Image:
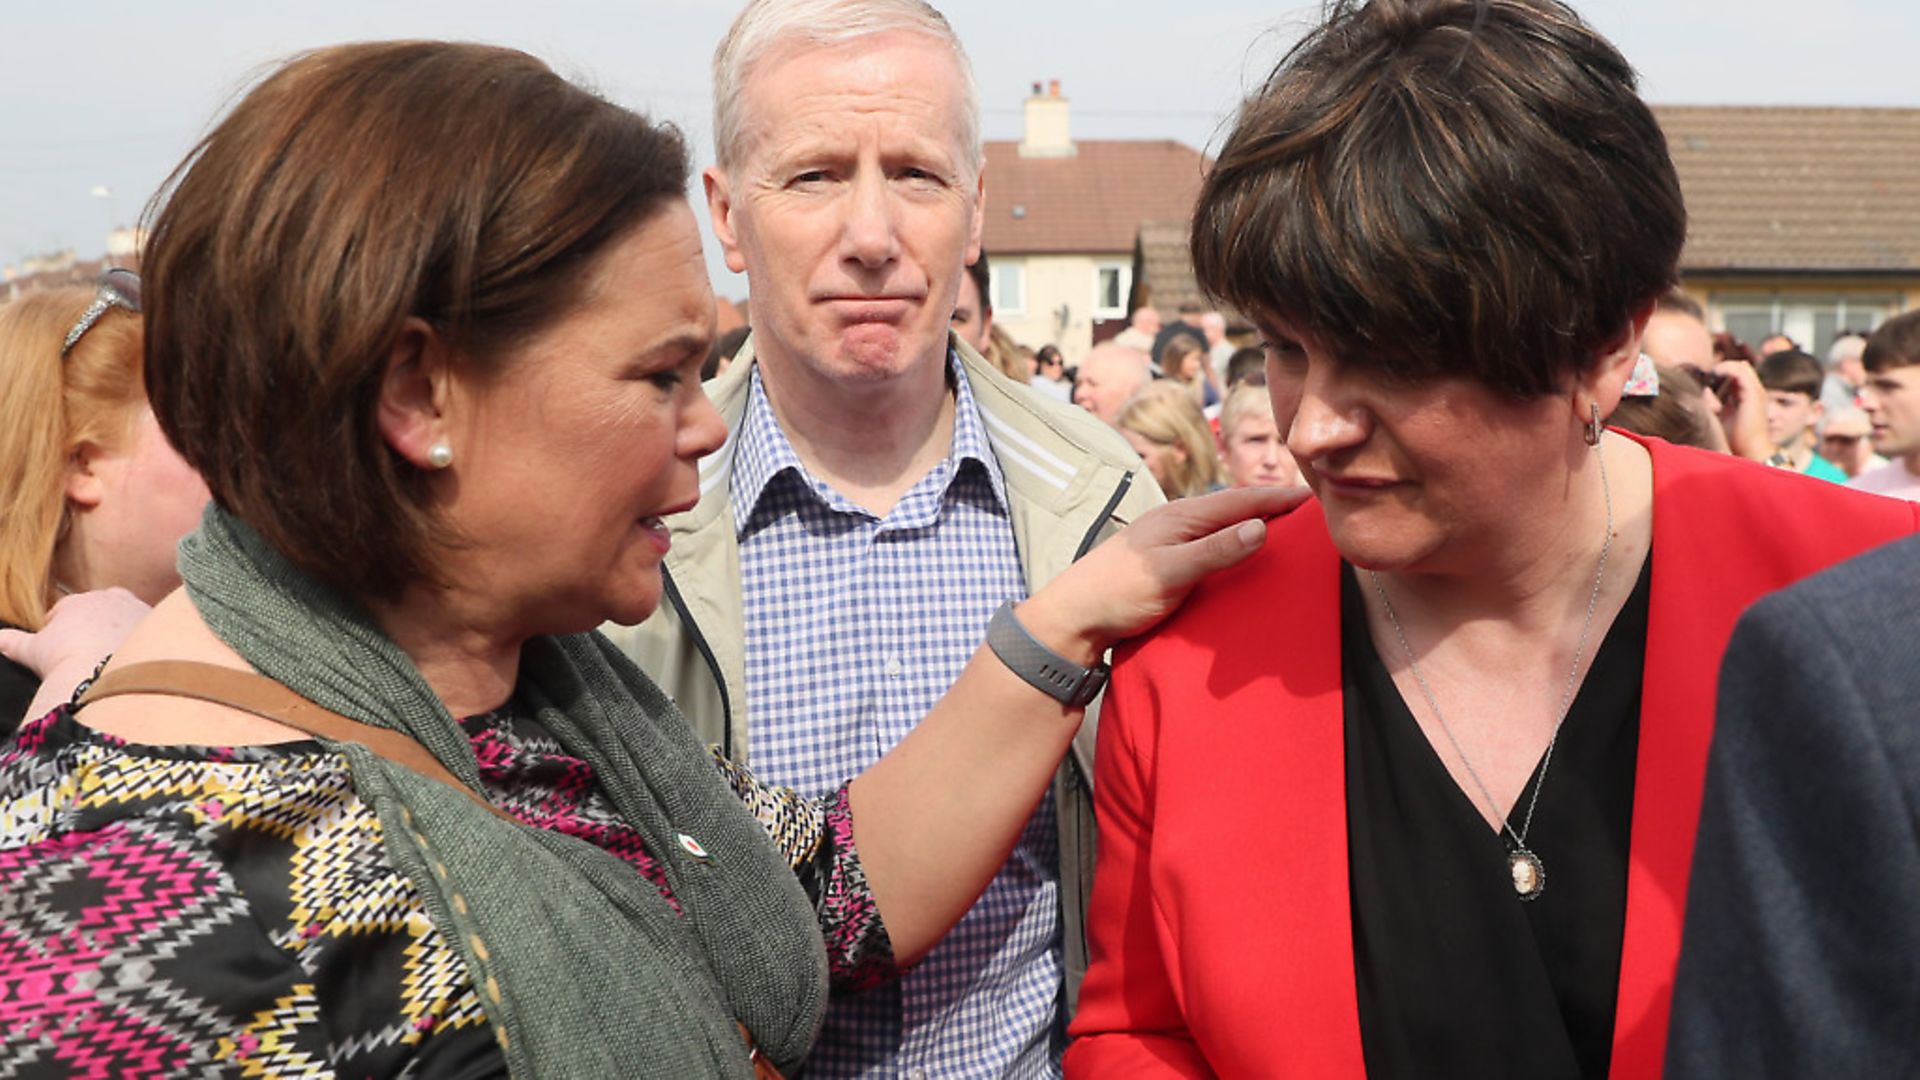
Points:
(188, 911)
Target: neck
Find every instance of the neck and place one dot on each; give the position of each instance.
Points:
(872, 440)
(1799, 450)
(1535, 576)
(471, 666)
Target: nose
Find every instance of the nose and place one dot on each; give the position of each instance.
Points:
(869, 235)
(1325, 418)
(702, 429)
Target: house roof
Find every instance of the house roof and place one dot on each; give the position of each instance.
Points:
(1092, 202)
(1165, 264)
(1786, 188)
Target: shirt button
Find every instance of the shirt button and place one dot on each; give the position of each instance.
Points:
(893, 672)
(917, 1074)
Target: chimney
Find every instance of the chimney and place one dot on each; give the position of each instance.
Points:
(1048, 130)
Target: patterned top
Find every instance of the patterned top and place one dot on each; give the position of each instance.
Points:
(855, 626)
(170, 911)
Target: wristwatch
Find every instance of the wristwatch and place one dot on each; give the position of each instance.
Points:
(1047, 671)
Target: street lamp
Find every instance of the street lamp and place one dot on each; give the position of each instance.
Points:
(102, 191)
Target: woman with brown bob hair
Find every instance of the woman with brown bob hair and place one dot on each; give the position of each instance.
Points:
(367, 796)
(1475, 677)
(91, 495)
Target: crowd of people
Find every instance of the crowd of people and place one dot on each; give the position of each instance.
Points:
(452, 659)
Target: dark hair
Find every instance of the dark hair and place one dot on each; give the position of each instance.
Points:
(1245, 364)
(1446, 187)
(1048, 354)
(358, 186)
(1895, 345)
(982, 276)
(1728, 347)
(1791, 371)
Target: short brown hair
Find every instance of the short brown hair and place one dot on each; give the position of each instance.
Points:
(1677, 413)
(1895, 345)
(356, 187)
(1791, 371)
(1446, 187)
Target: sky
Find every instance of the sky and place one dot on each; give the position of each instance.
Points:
(110, 94)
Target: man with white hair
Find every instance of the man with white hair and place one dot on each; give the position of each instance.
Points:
(1110, 373)
(881, 494)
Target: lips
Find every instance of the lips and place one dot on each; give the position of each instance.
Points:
(865, 309)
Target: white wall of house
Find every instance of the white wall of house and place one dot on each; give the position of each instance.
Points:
(1055, 299)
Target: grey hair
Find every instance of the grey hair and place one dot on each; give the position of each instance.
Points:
(1845, 347)
(766, 23)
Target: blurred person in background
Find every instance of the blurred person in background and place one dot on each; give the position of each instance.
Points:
(1792, 381)
(725, 348)
(1248, 365)
(1846, 439)
(1050, 373)
(1891, 400)
(1165, 427)
(1184, 363)
(1776, 343)
(1672, 407)
(1143, 328)
(1846, 374)
(1219, 349)
(1438, 817)
(1253, 451)
(1109, 374)
(92, 496)
(1728, 389)
(972, 310)
(1185, 324)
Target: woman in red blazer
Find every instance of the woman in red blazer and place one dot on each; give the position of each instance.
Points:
(1413, 792)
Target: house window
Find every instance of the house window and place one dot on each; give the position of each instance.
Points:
(1111, 284)
(1008, 280)
(1812, 319)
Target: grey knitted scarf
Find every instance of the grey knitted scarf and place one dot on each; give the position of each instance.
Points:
(583, 969)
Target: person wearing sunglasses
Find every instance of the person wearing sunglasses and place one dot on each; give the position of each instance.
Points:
(92, 496)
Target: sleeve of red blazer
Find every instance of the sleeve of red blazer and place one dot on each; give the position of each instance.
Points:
(1129, 1023)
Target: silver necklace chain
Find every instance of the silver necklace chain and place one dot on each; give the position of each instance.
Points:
(1566, 696)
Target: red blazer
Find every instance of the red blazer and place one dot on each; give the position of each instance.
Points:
(1220, 921)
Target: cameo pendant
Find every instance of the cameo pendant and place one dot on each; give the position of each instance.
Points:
(1529, 874)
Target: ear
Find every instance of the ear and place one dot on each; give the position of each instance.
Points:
(978, 223)
(86, 481)
(720, 207)
(415, 393)
(1607, 381)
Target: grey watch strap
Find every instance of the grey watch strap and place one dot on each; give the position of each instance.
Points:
(1045, 670)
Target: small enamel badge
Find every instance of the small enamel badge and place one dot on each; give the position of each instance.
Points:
(693, 848)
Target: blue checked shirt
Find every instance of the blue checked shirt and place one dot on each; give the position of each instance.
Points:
(855, 626)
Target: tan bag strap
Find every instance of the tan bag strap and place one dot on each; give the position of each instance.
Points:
(271, 700)
(263, 697)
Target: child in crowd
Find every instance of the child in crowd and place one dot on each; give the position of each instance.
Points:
(1793, 379)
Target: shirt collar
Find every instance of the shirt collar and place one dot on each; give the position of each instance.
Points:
(762, 453)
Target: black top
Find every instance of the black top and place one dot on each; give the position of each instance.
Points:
(17, 687)
(1458, 976)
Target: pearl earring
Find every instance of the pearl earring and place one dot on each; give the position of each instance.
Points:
(440, 455)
